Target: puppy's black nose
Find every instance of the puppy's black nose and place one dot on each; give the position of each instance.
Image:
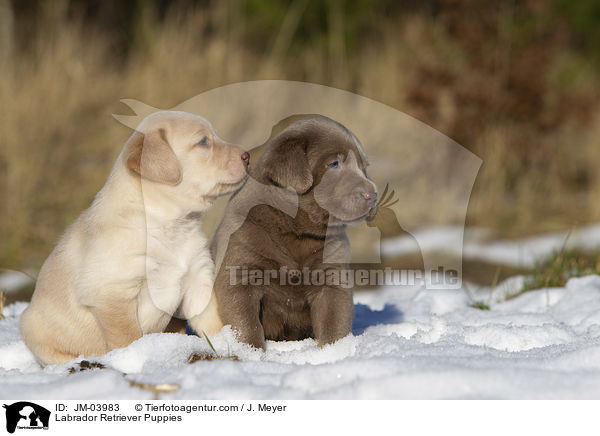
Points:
(246, 157)
(370, 197)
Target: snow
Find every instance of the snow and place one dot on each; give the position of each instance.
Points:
(521, 253)
(406, 343)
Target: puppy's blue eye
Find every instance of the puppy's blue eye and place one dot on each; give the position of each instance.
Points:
(334, 164)
(203, 141)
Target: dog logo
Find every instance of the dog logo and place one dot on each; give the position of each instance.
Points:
(26, 415)
(432, 175)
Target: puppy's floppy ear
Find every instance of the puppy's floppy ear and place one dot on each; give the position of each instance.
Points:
(285, 162)
(151, 156)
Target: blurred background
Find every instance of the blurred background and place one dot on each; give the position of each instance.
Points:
(515, 82)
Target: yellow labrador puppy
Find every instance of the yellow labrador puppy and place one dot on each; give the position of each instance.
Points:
(137, 256)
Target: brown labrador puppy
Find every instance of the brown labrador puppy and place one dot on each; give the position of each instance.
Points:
(281, 232)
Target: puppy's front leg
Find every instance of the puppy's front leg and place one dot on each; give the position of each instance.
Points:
(208, 322)
(241, 308)
(331, 313)
(199, 305)
(118, 321)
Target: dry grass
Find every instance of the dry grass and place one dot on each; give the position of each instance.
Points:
(59, 141)
(2, 300)
(195, 357)
(155, 389)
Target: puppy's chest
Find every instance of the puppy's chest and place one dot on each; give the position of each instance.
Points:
(174, 246)
(304, 251)
(299, 260)
(173, 252)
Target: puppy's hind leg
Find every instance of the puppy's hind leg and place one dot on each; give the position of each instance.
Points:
(50, 356)
(43, 345)
(118, 321)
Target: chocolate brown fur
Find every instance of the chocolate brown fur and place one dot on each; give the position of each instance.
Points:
(270, 238)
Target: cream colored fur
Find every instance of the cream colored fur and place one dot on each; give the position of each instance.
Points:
(137, 256)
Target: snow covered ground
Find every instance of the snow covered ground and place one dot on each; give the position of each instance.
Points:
(520, 253)
(407, 343)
